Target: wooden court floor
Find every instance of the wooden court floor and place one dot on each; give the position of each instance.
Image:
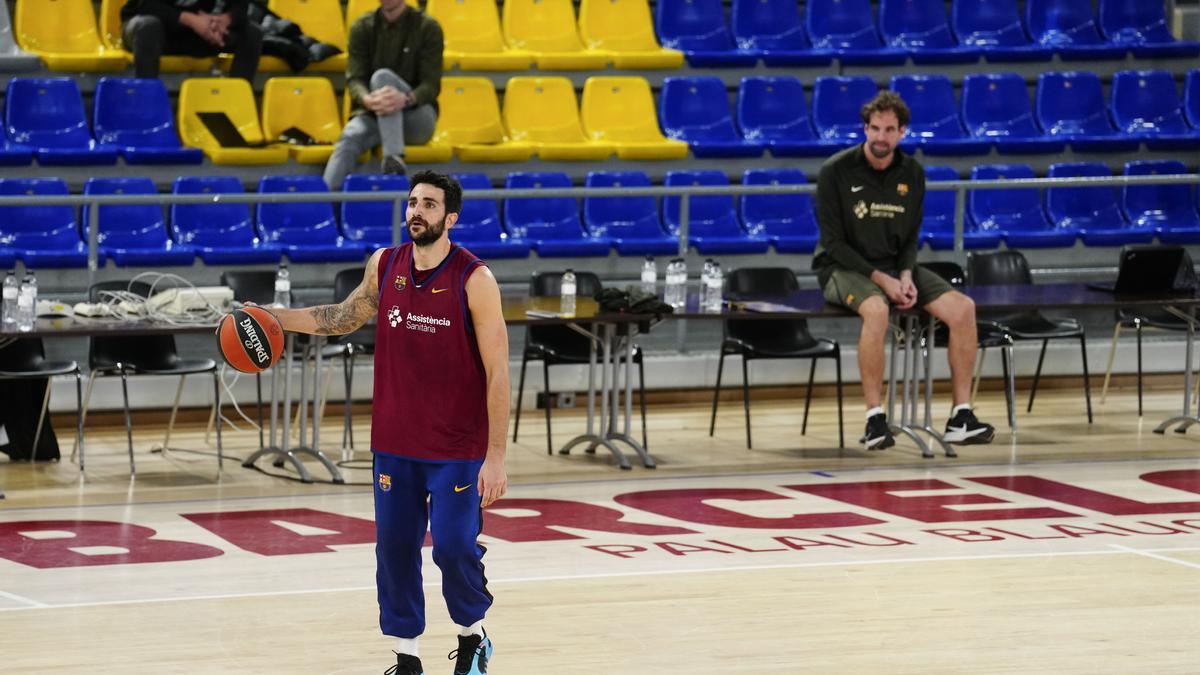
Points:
(1063, 548)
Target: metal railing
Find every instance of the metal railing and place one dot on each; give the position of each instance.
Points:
(399, 199)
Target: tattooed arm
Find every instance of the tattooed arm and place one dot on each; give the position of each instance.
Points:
(345, 316)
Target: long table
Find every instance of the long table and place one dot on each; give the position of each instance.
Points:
(611, 334)
(611, 337)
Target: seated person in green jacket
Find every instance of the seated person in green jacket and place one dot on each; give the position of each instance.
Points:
(869, 204)
(394, 74)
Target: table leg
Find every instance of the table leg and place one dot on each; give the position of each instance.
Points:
(624, 434)
(590, 436)
(282, 450)
(928, 427)
(1186, 418)
(902, 427)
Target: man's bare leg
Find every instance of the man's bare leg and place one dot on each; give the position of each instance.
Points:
(957, 311)
(874, 313)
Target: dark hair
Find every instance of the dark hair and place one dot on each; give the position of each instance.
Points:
(884, 101)
(448, 184)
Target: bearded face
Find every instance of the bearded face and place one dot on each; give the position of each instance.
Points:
(424, 233)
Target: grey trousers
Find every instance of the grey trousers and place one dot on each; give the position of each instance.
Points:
(366, 131)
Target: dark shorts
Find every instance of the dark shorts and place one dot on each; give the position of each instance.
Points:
(849, 289)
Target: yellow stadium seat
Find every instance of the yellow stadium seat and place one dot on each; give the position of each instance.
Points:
(307, 104)
(321, 20)
(623, 27)
(356, 8)
(430, 153)
(110, 35)
(473, 39)
(547, 29)
(543, 111)
(233, 97)
(620, 110)
(469, 121)
(63, 33)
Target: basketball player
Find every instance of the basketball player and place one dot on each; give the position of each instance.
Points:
(439, 416)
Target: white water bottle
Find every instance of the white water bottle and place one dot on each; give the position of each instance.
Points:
(649, 276)
(27, 303)
(283, 287)
(705, 273)
(716, 283)
(566, 302)
(676, 291)
(11, 290)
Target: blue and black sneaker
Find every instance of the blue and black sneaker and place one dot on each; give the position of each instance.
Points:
(472, 655)
(405, 665)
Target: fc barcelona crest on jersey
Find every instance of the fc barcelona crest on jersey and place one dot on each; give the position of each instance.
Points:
(400, 282)
(385, 482)
(902, 188)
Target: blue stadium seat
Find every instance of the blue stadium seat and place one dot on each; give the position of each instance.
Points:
(935, 126)
(773, 110)
(697, 28)
(631, 222)
(1069, 27)
(1146, 104)
(41, 236)
(920, 26)
(1016, 213)
(1093, 211)
(221, 233)
(551, 223)
(837, 102)
(848, 28)
(8, 258)
(1191, 99)
(307, 231)
(478, 227)
(370, 223)
(788, 220)
(1142, 25)
(696, 110)
(937, 222)
(134, 235)
(46, 113)
(995, 27)
(1070, 105)
(996, 106)
(712, 223)
(135, 116)
(1169, 209)
(775, 29)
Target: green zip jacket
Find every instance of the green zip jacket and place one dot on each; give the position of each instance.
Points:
(411, 47)
(870, 220)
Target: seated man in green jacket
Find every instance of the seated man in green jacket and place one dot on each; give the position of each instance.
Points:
(869, 207)
(394, 74)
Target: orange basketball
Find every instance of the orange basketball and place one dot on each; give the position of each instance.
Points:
(250, 339)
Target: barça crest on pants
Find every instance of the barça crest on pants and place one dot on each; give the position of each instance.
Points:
(385, 482)
(400, 282)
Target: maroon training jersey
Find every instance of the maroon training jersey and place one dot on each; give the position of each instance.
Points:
(430, 398)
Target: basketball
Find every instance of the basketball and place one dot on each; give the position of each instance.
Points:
(250, 339)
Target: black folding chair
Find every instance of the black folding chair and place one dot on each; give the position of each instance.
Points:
(25, 359)
(144, 355)
(772, 339)
(559, 345)
(1010, 267)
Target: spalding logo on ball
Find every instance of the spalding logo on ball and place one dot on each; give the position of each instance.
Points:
(250, 339)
